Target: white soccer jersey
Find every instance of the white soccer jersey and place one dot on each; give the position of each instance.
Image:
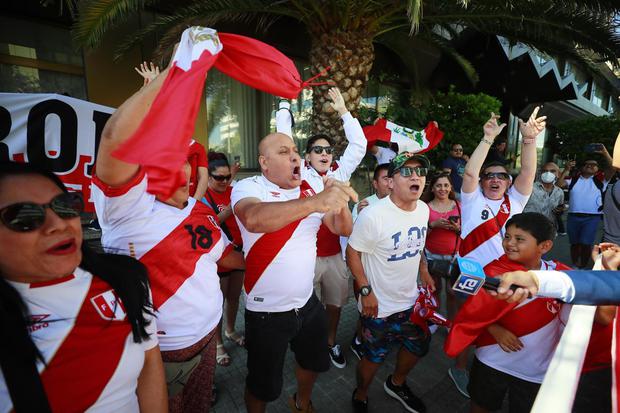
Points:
(180, 248)
(481, 239)
(391, 241)
(532, 361)
(80, 328)
(279, 265)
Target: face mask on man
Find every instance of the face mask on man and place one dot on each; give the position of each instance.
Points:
(547, 177)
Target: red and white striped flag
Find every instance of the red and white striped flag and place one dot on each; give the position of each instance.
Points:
(408, 140)
(160, 144)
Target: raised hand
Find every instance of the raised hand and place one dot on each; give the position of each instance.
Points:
(337, 102)
(492, 128)
(148, 73)
(533, 126)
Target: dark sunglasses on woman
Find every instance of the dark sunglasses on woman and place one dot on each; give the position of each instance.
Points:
(221, 178)
(28, 216)
(319, 149)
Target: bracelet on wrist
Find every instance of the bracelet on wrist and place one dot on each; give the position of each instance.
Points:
(487, 141)
(529, 141)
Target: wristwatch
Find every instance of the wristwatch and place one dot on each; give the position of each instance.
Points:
(365, 290)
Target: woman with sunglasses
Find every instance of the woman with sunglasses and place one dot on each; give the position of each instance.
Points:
(78, 328)
(488, 200)
(217, 197)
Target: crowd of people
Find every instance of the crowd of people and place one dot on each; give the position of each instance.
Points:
(150, 315)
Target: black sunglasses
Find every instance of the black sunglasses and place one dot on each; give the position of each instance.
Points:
(28, 216)
(319, 149)
(221, 178)
(499, 175)
(409, 170)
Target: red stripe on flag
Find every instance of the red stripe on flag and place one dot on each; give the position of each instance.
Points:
(161, 142)
(433, 136)
(377, 132)
(268, 246)
(188, 243)
(88, 357)
(486, 231)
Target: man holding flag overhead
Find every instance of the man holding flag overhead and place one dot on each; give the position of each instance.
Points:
(142, 199)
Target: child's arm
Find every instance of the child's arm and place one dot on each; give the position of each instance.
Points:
(504, 337)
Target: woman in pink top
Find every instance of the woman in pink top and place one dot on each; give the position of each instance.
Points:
(444, 227)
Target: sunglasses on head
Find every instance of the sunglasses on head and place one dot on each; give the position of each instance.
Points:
(409, 170)
(499, 175)
(319, 149)
(28, 216)
(221, 178)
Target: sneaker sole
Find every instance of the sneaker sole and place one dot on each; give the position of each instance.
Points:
(464, 393)
(396, 397)
(338, 365)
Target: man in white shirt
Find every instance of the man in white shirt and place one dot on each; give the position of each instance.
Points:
(279, 214)
(385, 255)
(381, 185)
(585, 209)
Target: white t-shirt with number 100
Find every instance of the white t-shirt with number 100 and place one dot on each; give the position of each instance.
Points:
(391, 241)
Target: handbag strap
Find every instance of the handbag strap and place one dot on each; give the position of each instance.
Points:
(458, 236)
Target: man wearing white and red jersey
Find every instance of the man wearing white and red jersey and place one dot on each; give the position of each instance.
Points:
(279, 214)
(74, 319)
(488, 201)
(331, 279)
(184, 283)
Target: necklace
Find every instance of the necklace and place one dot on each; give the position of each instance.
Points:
(441, 208)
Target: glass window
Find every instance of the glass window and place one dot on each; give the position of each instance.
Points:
(21, 79)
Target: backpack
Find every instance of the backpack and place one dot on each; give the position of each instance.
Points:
(598, 182)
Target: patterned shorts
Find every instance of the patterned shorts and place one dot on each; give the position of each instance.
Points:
(378, 334)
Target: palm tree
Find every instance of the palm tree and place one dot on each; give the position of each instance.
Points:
(343, 32)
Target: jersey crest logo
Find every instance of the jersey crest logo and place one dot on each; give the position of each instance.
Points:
(553, 306)
(308, 192)
(109, 306)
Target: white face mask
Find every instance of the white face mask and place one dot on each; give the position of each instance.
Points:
(547, 177)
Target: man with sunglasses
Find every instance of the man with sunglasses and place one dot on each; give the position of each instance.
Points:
(488, 200)
(385, 254)
(330, 277)
(586, 193)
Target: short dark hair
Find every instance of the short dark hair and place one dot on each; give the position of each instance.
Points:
(453, 144)
(538, 225)
(378, 169)
(492, 164)
(312, 140)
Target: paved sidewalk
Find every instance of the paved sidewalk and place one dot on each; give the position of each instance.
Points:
(332, 392)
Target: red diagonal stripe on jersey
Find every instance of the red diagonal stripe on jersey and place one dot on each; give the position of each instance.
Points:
(166, 274)
(485, 231)
(88, 357)
(268, 246)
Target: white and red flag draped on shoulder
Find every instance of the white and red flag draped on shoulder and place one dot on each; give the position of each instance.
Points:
(160, 144)
(408, 140)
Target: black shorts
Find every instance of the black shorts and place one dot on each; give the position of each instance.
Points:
(487, 388)
(267, 336)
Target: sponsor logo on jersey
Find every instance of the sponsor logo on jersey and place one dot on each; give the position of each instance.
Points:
(37, 322)
(275, 194)
(109, 306)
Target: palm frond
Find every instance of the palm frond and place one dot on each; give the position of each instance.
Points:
(97, 16)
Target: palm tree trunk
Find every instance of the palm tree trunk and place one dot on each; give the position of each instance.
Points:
(350, 56)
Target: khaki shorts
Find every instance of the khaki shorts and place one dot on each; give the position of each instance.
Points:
(331, 280)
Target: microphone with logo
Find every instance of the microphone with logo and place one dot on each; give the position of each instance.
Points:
(472, 278)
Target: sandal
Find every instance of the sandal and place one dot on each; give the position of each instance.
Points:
(221, 356)
(239, 339)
